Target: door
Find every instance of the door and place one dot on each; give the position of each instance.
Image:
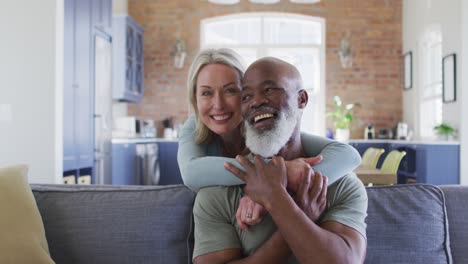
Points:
(102, 108)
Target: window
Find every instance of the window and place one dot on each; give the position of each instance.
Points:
(430, 111)
(296, 39)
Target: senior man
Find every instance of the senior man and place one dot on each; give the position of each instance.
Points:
(272, 103)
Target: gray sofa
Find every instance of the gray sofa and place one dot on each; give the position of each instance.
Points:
(139, 224)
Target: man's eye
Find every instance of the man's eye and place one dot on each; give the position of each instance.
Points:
(269, 90)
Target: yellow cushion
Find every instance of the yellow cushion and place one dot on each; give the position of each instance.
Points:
(22, 234)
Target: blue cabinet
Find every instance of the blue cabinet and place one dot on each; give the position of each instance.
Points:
(168, 165)
(436, 164)
(78, 108)
(124, 164)
(128, 59)
(101, 12)
(81, 19)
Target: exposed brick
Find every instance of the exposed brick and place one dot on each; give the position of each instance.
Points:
(375, 79)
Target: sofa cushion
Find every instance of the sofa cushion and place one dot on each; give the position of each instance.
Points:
(407, 224)
(117, 224)
(456, 197)
(22, 235)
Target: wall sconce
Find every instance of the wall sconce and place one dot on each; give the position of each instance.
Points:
(179, 54)
(346, 54)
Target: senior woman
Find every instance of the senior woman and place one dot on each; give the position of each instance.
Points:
(213, 134)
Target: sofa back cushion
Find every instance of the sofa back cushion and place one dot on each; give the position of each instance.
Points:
(456, 197)
(407, 224)
(117, 224)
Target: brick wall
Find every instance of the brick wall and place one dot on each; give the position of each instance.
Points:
(374, 81)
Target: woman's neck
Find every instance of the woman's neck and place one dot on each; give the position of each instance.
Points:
(232, 144)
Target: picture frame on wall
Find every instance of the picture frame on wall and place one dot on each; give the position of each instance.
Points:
(408, 70)
(449, 78)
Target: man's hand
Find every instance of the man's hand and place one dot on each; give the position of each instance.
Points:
(298, 169)
(249, 213)
(263, 180)
(311, 196)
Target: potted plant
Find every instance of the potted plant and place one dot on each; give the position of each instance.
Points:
(342, 116)
(445, 131)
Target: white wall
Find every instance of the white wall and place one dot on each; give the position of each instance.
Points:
(417, 16)
(462, 90)
(30, 130)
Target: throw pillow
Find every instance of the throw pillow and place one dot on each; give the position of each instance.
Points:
(22, 234)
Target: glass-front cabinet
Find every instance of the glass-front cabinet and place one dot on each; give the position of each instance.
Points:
(128, 59)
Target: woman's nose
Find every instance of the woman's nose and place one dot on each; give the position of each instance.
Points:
(218, 101)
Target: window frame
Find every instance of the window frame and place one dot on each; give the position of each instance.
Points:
(317, 94)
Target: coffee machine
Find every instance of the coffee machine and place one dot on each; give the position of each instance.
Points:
(369, 132)
(402, 131)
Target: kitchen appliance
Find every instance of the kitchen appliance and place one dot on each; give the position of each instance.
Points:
(128, 127)
(147, 164)
(402, 131)
(385, 133)
(102, 108)
(369, 132)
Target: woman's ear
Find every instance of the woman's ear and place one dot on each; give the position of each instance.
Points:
(302, 98)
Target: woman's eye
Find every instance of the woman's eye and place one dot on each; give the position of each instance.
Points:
(206, 93)
(232, 90)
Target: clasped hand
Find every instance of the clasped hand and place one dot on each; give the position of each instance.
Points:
(263, 181)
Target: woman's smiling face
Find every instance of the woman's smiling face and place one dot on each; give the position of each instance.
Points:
(218, 95)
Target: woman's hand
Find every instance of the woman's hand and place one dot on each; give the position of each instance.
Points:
(249, 213)
(298, 169)
(311, 195)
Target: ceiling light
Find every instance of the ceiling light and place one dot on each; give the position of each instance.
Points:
(305, 1)
(264, 1)
(224, 2)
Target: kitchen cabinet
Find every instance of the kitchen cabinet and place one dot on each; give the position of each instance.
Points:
(101, 12)
(132, 163)
(124, 164)
(78, 109)
(432, 163)
(82, 20)
(128, 59)
(168, 165)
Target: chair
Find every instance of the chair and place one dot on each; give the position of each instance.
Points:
(392, 161)
(371, 157)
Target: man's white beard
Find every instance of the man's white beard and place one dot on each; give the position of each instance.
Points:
(268, 143)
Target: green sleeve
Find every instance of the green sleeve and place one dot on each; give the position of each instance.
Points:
(200, 164)
(347, 203)
(214, 213)
(339, 159)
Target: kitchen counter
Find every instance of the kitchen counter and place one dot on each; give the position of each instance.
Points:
(141, 140)
(394, 141)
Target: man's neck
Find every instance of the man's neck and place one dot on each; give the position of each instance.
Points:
(232, 143)
(293, 148)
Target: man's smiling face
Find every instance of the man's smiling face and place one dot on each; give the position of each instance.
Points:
(269, 106)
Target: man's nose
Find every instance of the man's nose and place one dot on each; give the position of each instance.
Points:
(258, 100)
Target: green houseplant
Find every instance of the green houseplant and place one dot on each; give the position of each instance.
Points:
(342, 117)
(445, 131)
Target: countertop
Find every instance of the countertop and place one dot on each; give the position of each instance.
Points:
(141, 140)
(394, 141)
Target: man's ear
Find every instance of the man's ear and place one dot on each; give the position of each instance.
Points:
(302, 98)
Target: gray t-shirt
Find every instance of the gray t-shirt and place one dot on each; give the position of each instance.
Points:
(216, 227)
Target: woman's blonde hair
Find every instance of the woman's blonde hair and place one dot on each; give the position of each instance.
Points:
(209, 56)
